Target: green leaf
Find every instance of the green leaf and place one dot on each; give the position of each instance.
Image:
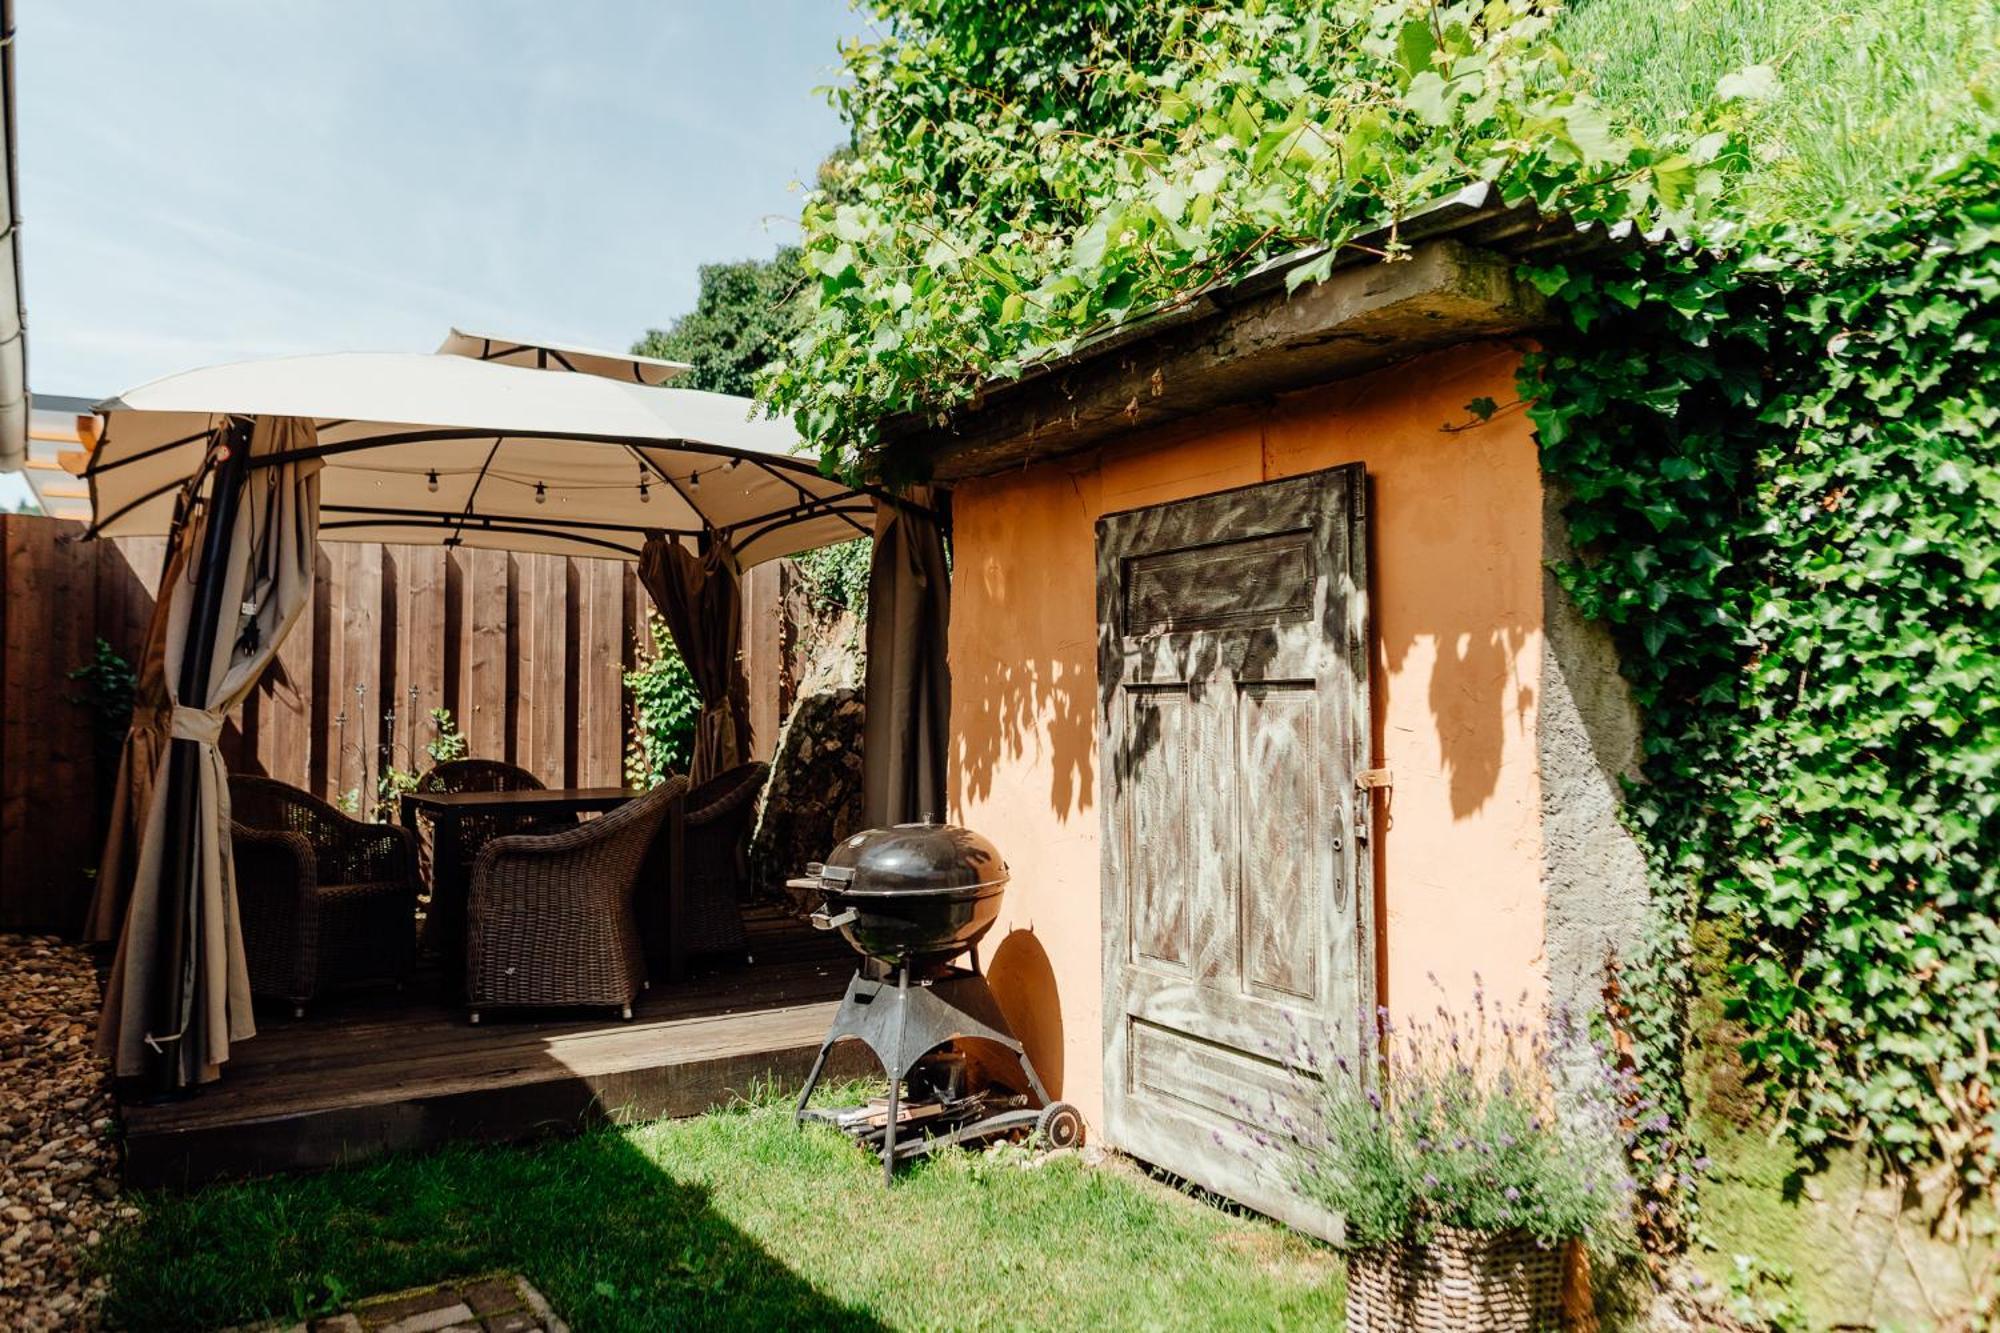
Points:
(1414, 45)
(1752, 83)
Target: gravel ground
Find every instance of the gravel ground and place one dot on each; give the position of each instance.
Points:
(58, 1162)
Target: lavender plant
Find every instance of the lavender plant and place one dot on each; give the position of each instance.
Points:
(1484, 1122)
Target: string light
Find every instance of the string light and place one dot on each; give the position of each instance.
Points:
(432, 481)
(694, 481)
(541, 493)
(645, 494)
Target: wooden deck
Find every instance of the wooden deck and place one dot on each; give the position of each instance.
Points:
(379, 1072)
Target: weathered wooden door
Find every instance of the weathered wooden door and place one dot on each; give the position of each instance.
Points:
(1237, 902)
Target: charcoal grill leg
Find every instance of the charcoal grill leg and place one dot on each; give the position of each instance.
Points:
(812, 1081)
(895, 1075)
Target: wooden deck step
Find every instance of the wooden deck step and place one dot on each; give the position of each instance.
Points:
(365, 1075)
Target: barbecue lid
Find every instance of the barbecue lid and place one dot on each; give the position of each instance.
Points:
(914, 858)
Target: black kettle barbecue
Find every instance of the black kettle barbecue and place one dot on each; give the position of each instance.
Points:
(914, 898)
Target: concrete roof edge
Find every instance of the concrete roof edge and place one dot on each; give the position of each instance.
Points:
(1248, 338)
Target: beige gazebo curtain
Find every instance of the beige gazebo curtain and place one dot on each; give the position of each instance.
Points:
(267, 575)
(138, 764)
(700, 597)
(904, 738)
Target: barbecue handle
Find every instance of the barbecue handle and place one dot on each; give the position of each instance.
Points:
(821, 921)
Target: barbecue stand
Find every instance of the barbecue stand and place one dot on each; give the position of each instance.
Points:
(902, 1022)
(916, 898)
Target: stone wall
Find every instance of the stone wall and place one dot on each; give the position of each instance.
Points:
(813, 799)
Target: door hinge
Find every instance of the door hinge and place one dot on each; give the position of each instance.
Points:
(1370, 778)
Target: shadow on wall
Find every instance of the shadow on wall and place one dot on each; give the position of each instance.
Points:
(1455, 570)
(1025, 984)
(1012, 706)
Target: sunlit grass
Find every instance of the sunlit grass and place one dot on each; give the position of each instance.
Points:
(1872, 90)
(731, 1220)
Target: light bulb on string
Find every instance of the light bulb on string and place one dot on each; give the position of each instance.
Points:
(431, 481)
(541, 493)
(645, 492)
(694, 481)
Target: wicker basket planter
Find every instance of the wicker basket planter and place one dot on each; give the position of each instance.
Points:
(1460, 1282)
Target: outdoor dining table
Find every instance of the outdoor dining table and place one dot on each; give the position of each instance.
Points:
(526, 806)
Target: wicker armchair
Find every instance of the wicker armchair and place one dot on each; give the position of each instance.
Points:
(713, 863)
(456, 842)
(324, 900)
(550, 920)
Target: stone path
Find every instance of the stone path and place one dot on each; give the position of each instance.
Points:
(496, 1303)
(58, 1166)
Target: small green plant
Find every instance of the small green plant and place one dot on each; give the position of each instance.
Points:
(447, 745)
(836, 577)
(1761, 1295)
(109, 683)
(665, 706)
(1460, 1127)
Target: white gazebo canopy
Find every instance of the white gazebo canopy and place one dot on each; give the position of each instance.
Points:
(560, 356)
(453, 448)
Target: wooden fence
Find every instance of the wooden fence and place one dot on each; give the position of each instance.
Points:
(526, 651)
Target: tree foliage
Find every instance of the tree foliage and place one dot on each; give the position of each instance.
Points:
(746, 313)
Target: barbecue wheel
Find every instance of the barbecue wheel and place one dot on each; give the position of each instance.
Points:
(1060, 1125)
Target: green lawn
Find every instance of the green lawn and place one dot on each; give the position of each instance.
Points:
(731, 1220)
(1869, 90)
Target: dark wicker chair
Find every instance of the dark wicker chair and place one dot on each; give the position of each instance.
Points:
(456, 842)
(714, 859)
(550, 920)
(324, 900)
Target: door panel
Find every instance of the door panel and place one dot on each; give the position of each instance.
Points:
(1157, 825)
(1234, 721)
(1278, 785)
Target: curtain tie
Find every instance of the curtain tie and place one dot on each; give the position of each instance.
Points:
(195, 724)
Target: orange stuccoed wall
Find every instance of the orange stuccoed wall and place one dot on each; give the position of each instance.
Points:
(1456, 611)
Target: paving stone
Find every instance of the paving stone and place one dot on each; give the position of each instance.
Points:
(388, 1309)
(493, 1295)
(515, 1321)
(434, 1320)
(540, 1305)
(340, 1323)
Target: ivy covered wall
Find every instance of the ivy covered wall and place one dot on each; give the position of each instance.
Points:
(1786, 495)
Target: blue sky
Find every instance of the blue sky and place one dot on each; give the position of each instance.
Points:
(213, 180)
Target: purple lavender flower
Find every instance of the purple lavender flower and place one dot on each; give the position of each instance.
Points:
(1513, 1195)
